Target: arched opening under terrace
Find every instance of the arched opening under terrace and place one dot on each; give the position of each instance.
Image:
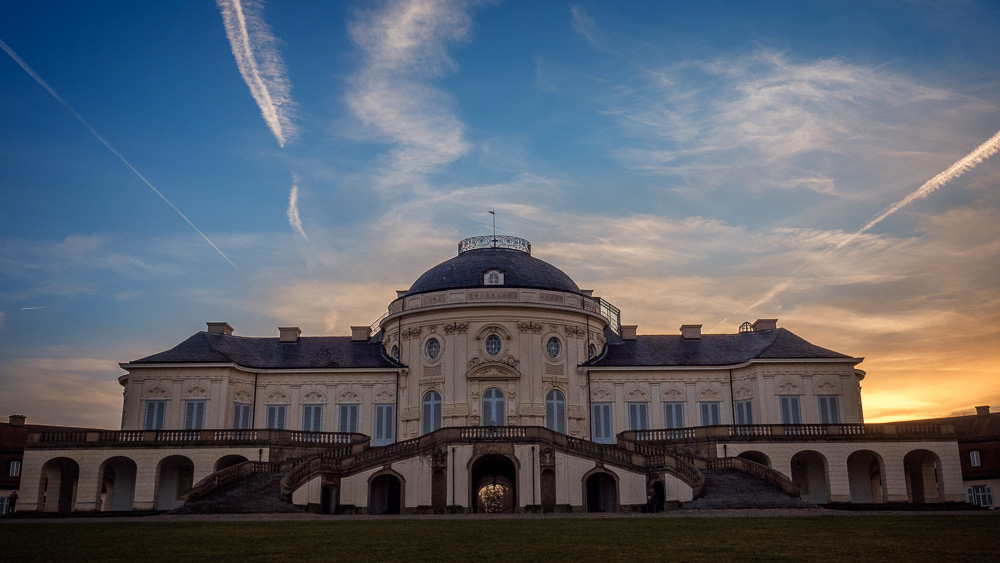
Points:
(174, 478)
(866, 474)
(117, 490)
(601, 491)
(57, 488)
(385, 493)
(493, 479)
(923, 479)
(809, 472)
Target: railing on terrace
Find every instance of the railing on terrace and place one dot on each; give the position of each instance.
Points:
(888, 431)
(134, 438)
(376, 326)
(612, 314)
(762, 472)
(238, 471)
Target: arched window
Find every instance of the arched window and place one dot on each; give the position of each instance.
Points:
(395, 352)
(591, 351)
(431, 412)
(493, 407)
(555, 411)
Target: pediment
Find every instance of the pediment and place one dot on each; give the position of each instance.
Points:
(493, 370)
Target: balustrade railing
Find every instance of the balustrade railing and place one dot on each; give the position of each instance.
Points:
(212, 437)
(886, 431)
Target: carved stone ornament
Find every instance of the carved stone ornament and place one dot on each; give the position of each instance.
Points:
(313, 397)
(196, 392)
(157, 393)
(277, 398)
(672, 395)
(602, 395)
(637, 395)
(547, 457)
(409, 333)
(512, 420)
(788, 388)
(742, 393)
(529, 326)
(577, 331)
(242, 396)
(349, 397)
(383, 397)
(432, 329)
(826, 388)
(708, 395)
(439, 459)
(474, 420)
(460, 328)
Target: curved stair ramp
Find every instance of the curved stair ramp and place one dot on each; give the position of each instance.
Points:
(737, 483)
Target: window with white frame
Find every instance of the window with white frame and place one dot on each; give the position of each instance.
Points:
(277, 415)
(493, 407)
(194, 414)
(829, 409)
(603, 429)
(791, 411)
(974, 459)
(744, 412)
(638, 416)
(555, 411)
(350, 418)
(493, 277)
(710, 413)
(673, 415)
(980, 495)
(241, 416)
(431, 414)
(385, 424)
(15, 468)
(312, 418)
(156, 412)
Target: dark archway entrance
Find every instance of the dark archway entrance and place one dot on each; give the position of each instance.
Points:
(117, 484)
(809, 472)
(923, 484)
(755, 456)
(493, 484)
(548, 490)
(659, 496)
(228, 461)
(385, 495)
(57, 490)
(602, 493)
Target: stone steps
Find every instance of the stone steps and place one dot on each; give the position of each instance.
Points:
(731, 489)
(258, 493)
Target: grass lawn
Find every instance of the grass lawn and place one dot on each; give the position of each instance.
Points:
(876, 538)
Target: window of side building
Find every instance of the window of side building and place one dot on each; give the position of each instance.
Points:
(829, 409)
(385, 422)
(276, 416)
(638, 416)
(710, 413)
(673, 415)
(744, 412)
(603, 428)
(312, 418)
(15, 468)
(791, 411)
(194, 414)
(974, 459)
(241, 416)
(350, 418)
(980, 495)
(156, 412)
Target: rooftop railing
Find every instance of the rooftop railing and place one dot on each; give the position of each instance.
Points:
(494, 241)
(769, 432)
(139, 438)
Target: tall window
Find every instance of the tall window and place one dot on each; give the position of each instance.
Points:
(276, 416)
(385, 424)
(493, 407)
(241, 415)
(312, 418)
(744, 412)
(673, 415)
(980, 495)
(555, 411)
(710, 415)
(791, 413)
(638, 416)
(974, 459)
(431, 412)
(829, 409)
(194, 415)
(155, 414)
(15, 468)
(601, 421)
(350, 417)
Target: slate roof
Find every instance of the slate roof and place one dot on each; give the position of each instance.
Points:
(269, 353)
(712, 350)
(520, 270)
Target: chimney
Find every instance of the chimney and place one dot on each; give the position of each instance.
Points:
(765, 324)
(981, 411)
(360, 333)
(629, 331)
(289, 333)
(220, 328)
(18, 419)
(691, 332)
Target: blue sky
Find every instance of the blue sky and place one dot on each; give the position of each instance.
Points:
(709, 163)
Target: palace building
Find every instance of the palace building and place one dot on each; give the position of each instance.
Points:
(494, 383)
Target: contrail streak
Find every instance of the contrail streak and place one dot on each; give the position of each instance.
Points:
(963, 165)
(293, 211)
(94, 132)
(260, 64)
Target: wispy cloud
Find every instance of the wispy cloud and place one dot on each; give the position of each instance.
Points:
(97, 135)
(260, 64)
(293, 210)
(405, 47)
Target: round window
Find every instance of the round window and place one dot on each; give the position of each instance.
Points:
(432, 348)
(493, 345)
(395, 352)
(553, 347)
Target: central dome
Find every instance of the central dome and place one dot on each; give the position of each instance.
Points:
(477, 256)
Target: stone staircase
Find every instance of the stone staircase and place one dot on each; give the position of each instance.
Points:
(256, 493)
(732, 489)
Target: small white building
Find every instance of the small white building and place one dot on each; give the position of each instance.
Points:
(494, 383)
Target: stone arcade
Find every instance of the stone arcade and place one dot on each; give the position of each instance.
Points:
(494, 383)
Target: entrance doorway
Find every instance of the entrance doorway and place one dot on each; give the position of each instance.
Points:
(493, 489)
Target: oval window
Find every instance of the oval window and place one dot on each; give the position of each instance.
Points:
(553, 347)
(432, 348)
(493, 345)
